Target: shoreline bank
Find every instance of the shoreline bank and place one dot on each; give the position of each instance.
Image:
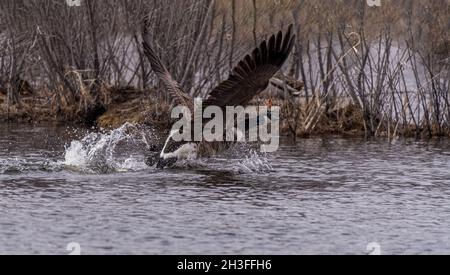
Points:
(144, 107)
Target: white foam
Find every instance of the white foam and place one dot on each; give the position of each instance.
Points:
(254, 163)
(96, 152)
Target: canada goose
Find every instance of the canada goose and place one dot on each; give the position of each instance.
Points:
(249, 78)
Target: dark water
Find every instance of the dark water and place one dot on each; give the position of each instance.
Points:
(319, 196)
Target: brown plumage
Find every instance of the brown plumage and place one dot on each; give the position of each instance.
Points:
(248, 79)
(176, 92)
(252, 75)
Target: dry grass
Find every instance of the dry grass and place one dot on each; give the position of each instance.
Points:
(131, 105)
(76, 57)
(121, 105)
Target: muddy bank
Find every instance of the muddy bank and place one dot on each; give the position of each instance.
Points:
(115, 107)
(127, 104)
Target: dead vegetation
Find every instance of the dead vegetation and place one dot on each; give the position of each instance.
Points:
(363, 71)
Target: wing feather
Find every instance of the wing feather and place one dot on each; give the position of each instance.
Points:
(176, 93)
(252, 75)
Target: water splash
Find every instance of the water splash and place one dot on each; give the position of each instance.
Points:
(12, 166)
(19, 165)
(100, 152)
(254, 162)
(123, 150)
(242, 158)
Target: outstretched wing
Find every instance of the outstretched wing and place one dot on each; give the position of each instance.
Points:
(252, 75)
(176, 93)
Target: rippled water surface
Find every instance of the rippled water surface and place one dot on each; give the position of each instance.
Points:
(318, 196)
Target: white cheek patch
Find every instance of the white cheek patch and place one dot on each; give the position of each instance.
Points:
(172, 133)
(187, 151)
